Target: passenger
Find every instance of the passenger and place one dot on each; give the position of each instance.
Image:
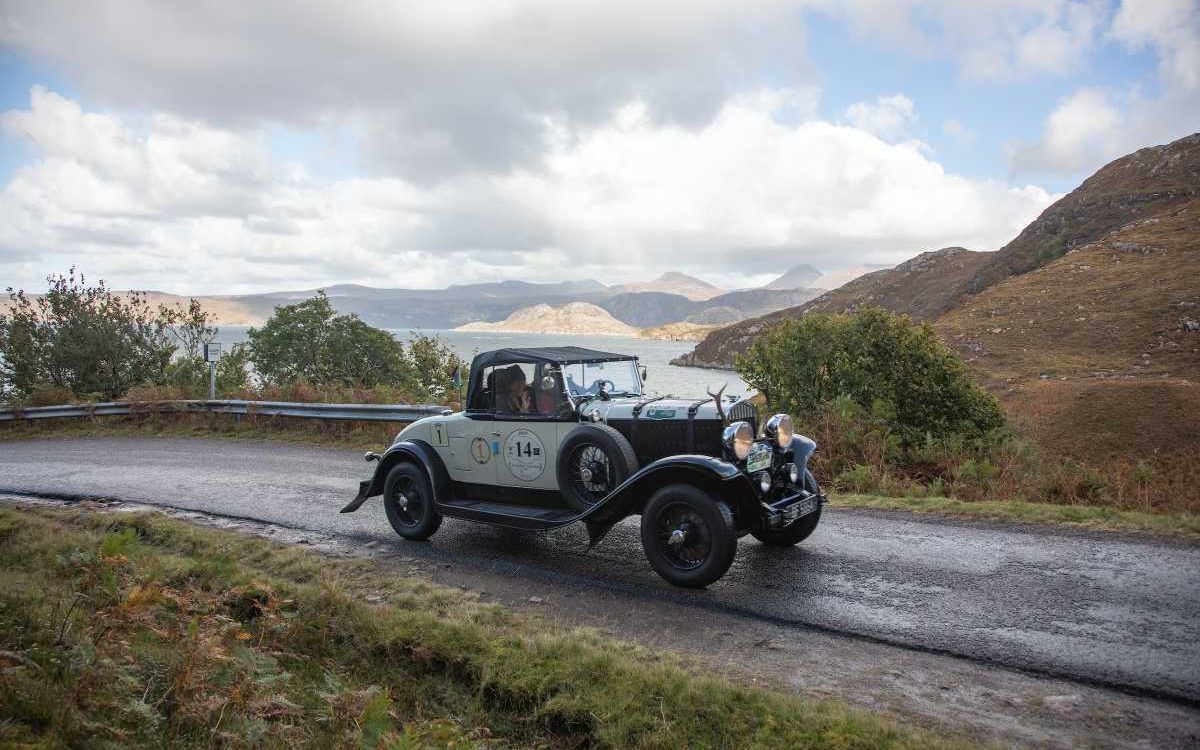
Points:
(514, 397)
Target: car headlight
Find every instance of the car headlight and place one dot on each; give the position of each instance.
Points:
(764, 482)
(737, 438)
(793, 472)
(779, 428)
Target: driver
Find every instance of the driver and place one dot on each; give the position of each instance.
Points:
(548, 394)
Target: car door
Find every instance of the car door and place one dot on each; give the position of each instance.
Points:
(471, 449)
(527, 442)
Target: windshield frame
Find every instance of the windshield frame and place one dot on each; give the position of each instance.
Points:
(581, 378)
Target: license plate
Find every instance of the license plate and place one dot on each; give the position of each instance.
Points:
(800, 509)
(759, 458)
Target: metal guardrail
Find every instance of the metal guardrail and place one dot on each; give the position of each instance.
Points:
(363, 412)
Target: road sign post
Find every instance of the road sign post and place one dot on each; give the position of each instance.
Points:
(212, 354)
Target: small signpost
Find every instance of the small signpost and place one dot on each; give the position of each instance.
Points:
(212, 354)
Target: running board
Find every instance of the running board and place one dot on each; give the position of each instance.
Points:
(510, 515)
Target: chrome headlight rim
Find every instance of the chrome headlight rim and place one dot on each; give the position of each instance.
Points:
(738, 439)
(780, 429)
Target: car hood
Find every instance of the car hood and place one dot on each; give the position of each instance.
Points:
(667, 408)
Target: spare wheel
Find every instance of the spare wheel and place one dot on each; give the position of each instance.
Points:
(592, 462)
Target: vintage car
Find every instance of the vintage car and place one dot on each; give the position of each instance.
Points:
(551, 436)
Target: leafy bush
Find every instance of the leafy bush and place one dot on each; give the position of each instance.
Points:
(308, 342)
(85, 339)
(882, 362)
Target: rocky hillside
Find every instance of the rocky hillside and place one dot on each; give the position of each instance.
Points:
(1127, 305)
(574, 317)
(924, 287)
(1136, 186)
(1139, 186)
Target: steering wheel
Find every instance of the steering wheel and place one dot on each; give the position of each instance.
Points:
(597, 387)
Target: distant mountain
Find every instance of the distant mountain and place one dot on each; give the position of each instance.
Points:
(1131, 188)
(922, 287)
(674, 282)
(798, 277)
(574, 317)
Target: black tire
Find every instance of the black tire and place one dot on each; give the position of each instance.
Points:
(709, 536)
(592, 462)
(413, 516)
(796, 531)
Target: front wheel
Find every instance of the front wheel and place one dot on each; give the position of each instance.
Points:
(689, 537)
(796, 531)
(408, 501)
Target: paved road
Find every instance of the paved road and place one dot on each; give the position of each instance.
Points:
(1097, 608)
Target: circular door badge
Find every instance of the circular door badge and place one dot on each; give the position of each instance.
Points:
(481, 451)
(524, 455)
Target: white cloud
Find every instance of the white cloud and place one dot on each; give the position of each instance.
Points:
(1091, 126)
(988, 39)
(432, 89)
(958, 131)
(1083, 130)
(177, 205)
(1172, 27)
(888, 117)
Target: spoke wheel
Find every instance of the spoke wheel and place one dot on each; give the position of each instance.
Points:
(408, 501)
(684, 536)
(593, 460)
(689, 537)
(591, 473)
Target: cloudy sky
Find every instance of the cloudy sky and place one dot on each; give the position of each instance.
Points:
(226, 147)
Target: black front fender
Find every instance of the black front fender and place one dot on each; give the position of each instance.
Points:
(719, 478)
(416, 451)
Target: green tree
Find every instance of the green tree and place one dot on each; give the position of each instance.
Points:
(291, 344)
(86, 339)
(432, 362)
(881, 361)
(309, 342)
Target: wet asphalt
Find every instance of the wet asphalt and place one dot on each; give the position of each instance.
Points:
(1115, 610)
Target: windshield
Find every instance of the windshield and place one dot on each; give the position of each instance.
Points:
(621, 378)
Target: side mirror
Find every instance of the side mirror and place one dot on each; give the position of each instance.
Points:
(642, 370)
(456, 377)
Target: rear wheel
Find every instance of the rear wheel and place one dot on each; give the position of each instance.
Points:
(408, 501)
(593, 461)
(689, 537)
(796, 531)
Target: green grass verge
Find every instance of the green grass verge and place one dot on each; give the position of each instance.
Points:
(141, 631)
(1088, 516)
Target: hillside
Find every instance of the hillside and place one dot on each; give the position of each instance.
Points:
(1142, 184)
(1134, 187)
(1127, 305)
(574, 317)
(923, 287)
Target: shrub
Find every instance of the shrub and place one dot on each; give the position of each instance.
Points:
(84, 339)
(309, 343)
(881, 361)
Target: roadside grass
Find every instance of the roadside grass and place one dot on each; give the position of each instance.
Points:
(142, 631)
(1097, 517)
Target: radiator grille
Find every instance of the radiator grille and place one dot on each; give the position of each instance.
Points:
(744, 411)
(654, 439)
